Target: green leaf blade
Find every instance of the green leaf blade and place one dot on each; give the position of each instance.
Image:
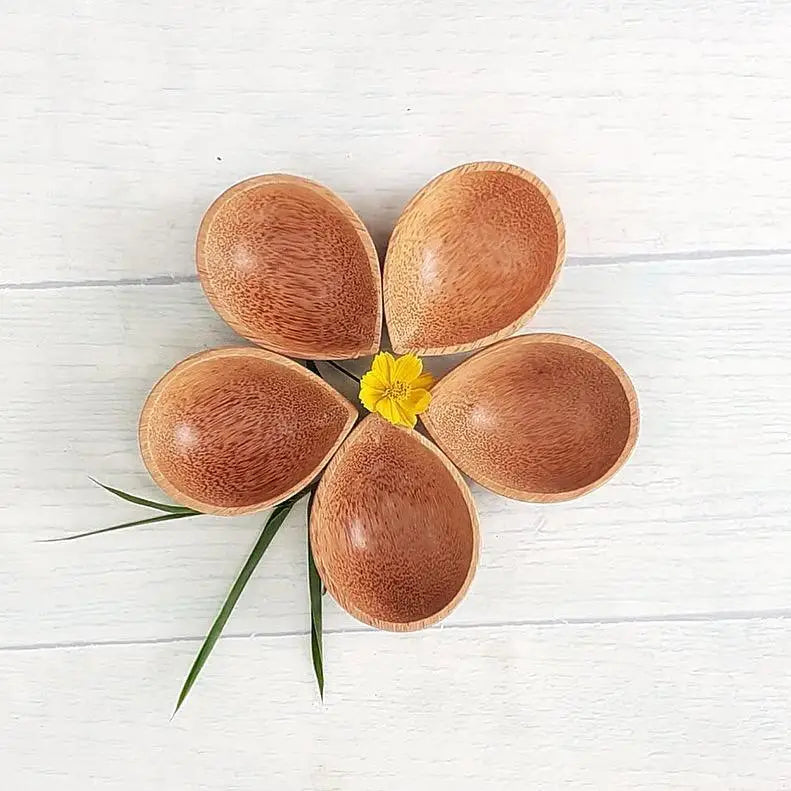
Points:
(346, 373)
(148, 521)
(131, 498)
(272, 525)
(316, 647)
(316, 589)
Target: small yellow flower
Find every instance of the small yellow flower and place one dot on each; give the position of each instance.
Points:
(396, 388)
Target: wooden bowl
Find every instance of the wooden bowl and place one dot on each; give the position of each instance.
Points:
(538, 417)
(232, 431)
(291, 267)
(393, 529)
(472, 257)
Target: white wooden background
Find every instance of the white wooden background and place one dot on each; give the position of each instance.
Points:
(638, 638)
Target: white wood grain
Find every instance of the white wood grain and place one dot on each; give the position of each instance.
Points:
(662, 127)
(635, 639)
(697, 522)
(649, 707)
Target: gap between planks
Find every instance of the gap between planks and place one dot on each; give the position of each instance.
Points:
(691, 617)
(571, 261)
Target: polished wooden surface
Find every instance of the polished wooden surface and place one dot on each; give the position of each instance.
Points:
(290, 266)
(394, 529)
(236, 430)
(541, 417)
(471, 258)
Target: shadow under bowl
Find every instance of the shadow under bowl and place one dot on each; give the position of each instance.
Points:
(290, 266)
(541, 417)
(237, 430)
(393, 529)
(471, 258)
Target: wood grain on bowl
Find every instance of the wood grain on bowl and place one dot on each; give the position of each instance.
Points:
(393, 528)
(236, 430)
(541, 417)
(290, 266)
(471, 258)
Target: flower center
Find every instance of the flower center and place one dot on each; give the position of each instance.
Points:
(397, 390)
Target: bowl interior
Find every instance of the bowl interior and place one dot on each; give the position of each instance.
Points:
(393, 528)
(290, 266)
(536, 417)
(471, 257)
(235, 430)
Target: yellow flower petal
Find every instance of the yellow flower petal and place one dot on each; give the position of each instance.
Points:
(370, 396)
(383, 366)
(372, 379)
(396, 388)
(387, 409)
(424, 381)
(407, 368)
(406, 414)
(419, 400)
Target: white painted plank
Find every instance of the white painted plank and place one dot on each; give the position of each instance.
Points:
(696, 522)
(646, 707)
(660, 126)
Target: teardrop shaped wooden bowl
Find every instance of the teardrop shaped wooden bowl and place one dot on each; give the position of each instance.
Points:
(393, 529)
(541, 417)
(291, 267)
(472, 257)
(236, 430)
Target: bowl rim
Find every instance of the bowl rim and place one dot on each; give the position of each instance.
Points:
(148, 413)
(553, 338)
(487, 340)
(337, 593)
(346, 212)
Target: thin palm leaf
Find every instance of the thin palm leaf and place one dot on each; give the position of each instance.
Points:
(317, 590)
(346, 373)
(150, 520)
(316, 648)
(131, 498)
(271, 527)
(311, 366)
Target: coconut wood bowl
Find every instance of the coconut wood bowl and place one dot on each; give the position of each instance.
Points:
(540, 417)
(393, 529)
(232, 431)
(472, 257)
(291, 267)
